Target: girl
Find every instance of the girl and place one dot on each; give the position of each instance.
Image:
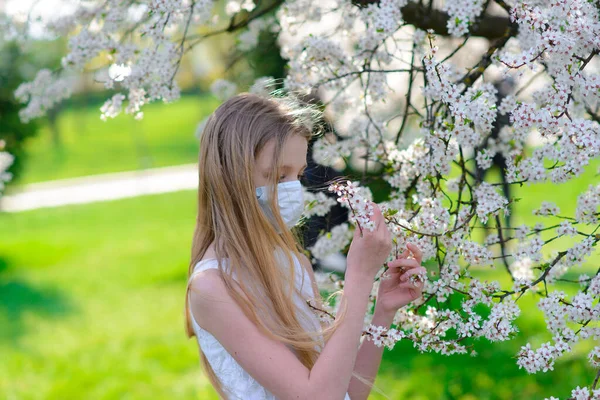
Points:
(249, 281)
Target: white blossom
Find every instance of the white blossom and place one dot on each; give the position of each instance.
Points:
(489, 201)
(334, 241)
(223, 89)
(350, 196)
(317, 203)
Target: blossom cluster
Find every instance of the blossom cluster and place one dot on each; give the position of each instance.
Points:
(41, 94)
(333, 242)
(583, 308)
(349, 195)
(107, 32)
(462, 14)
(381, 336)
(318, 204)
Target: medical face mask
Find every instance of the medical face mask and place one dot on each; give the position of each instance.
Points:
(290, 199)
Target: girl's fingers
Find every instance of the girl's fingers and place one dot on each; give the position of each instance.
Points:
(393, 271)
(416, 252)
(410, 285)
(377, 217)
(404, 254)
(406, 263)
(405, 276)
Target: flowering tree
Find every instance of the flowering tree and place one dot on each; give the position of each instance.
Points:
(12, 132)
(428, 96)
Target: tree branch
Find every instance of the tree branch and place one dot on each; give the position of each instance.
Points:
(417, 14)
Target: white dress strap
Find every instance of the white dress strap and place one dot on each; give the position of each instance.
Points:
(203, 265)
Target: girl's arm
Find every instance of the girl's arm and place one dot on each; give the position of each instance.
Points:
(395, 291)
(368, 360)
(270, 362)
(369, 356)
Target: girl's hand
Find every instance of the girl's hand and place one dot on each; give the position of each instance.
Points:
(396, 289)
(369, 251)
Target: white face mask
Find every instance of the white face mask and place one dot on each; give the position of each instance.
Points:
(290, 199)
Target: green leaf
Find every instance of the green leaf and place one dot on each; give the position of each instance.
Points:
(477, 95)
(390, 212)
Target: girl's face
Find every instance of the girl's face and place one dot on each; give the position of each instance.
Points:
(293, 161)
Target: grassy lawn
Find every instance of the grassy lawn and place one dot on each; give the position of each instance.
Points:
(91, 300)
(90, 146)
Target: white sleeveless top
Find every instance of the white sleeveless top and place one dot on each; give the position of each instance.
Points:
(236, 382)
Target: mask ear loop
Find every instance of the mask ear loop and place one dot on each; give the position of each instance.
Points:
(260, 191)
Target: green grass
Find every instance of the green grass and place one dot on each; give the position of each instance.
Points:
(91, 300)
(165, 136)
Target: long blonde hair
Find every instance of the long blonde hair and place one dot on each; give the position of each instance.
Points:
(230, 216)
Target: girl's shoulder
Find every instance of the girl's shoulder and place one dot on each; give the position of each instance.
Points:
(206, 289)
(206, 273)
(203, 265)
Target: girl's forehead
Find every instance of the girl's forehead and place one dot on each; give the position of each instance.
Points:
(293, 153)
(294, 150)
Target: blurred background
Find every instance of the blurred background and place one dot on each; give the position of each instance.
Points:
(95, 238)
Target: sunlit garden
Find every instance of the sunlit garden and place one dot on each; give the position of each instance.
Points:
(490, 166)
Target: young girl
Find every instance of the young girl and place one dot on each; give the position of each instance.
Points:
(249, 281)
